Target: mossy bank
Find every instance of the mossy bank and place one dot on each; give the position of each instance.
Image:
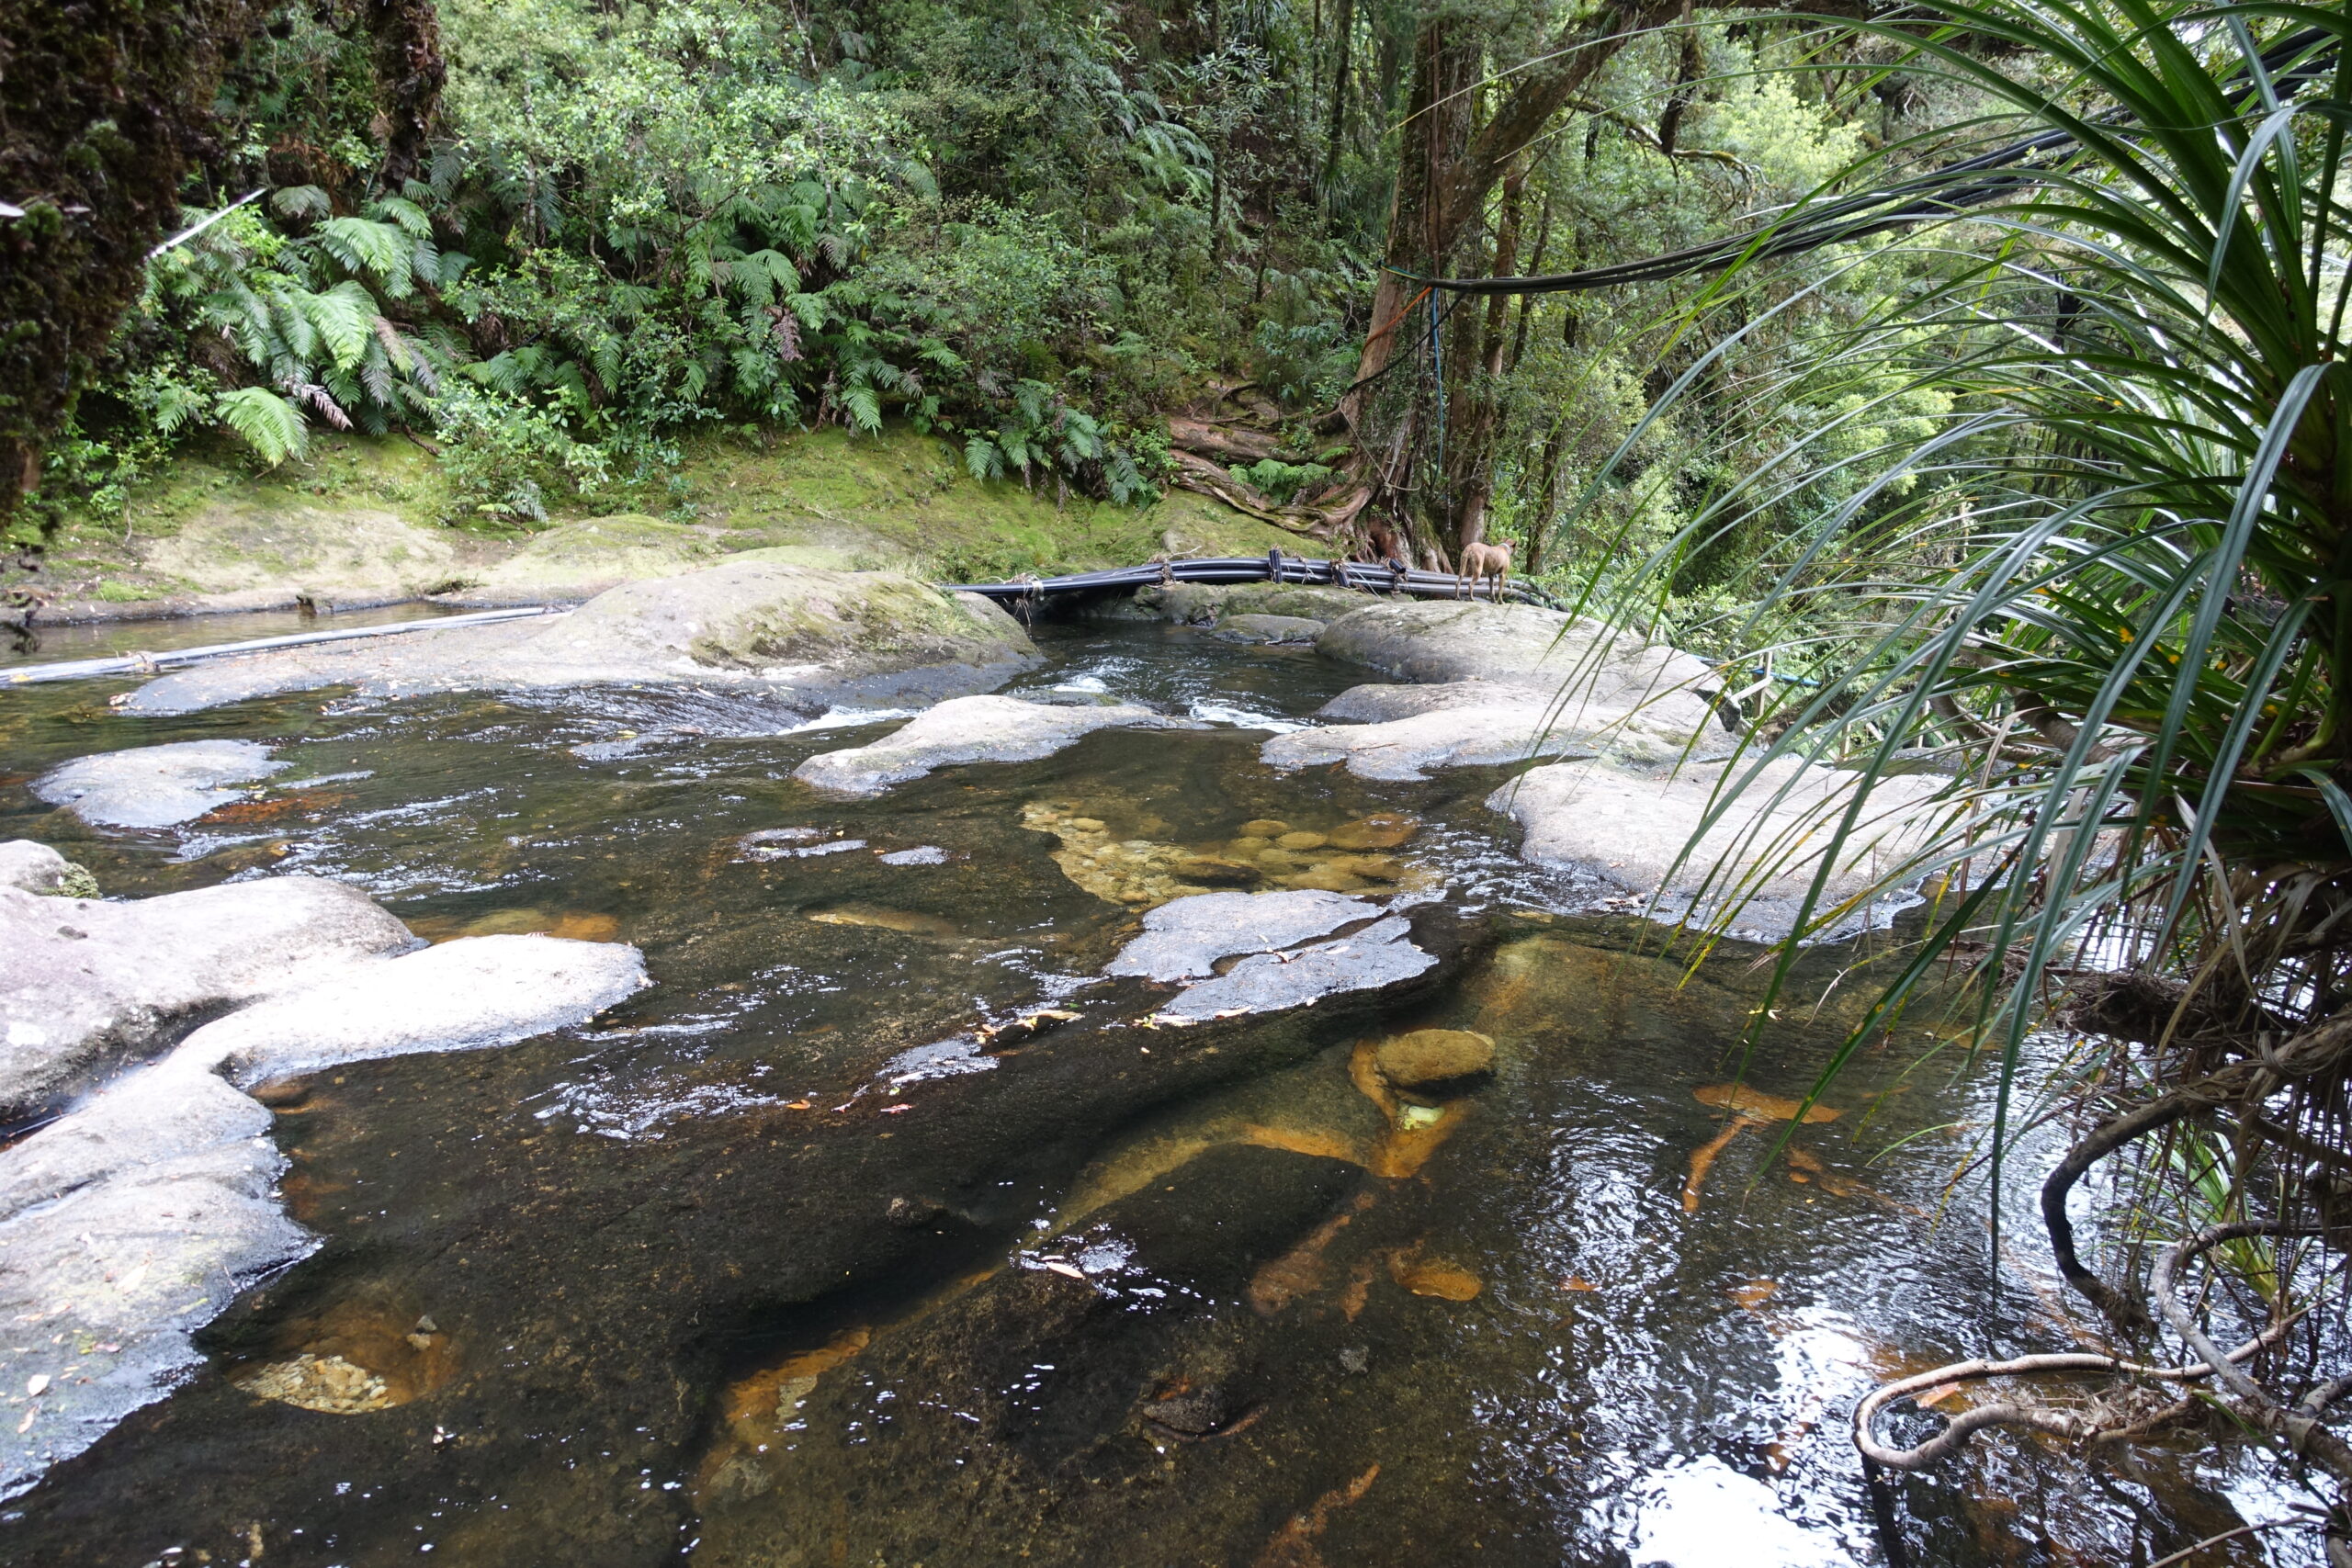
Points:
(366, 522)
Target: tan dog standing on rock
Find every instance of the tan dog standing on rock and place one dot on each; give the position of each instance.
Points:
(1480, 562)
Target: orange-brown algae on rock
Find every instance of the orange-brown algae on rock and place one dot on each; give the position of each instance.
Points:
(1433, 1276)
(1380, 831)
(1758, 1106)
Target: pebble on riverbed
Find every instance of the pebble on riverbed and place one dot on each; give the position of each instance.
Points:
(325, 1383)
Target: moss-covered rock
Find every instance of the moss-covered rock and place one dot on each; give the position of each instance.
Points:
(574, 561)
(343, 554)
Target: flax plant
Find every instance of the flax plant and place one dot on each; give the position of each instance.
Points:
(2109, 600)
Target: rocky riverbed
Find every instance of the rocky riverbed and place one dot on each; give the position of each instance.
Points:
(1001, 1095)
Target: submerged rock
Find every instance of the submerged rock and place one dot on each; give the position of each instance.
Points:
(87, 984)
(804, 636)
(971, 730)
(1755, 864)
(156, 787)
(126, 1224)
(1431, 1057)
(1267, 629)
(1185, 938)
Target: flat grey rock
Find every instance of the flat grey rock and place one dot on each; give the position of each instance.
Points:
(461, 996)
(32, 868)
(1751, 868)
(971, 730)
(1432, 641)
(1502, 683)
(156, 787)
(1185, 937)
(87, 984)
(1378, 702)
(799, 635)
(128, 1222)
(1380, 955)
(1487, 735)
(1267, 629)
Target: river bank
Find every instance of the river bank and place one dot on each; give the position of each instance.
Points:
(369, 522)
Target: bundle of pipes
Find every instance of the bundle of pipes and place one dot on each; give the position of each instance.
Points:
(1363, 577)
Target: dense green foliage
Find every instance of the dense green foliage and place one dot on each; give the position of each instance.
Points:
(1032, 230)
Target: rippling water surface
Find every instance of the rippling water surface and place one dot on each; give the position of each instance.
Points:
(777, 1265)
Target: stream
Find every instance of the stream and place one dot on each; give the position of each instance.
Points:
(775, 1265)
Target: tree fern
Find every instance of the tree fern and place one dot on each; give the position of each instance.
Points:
(273, 427)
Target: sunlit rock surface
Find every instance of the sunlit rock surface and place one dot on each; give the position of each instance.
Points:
(1185, 939)
(156, 787)
(85, 983)
(128, 1222)
(971, 729)
(802, 637)
(1380, 955)
(1753, 865)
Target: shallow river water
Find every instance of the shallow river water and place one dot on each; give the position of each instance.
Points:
(776, 1266)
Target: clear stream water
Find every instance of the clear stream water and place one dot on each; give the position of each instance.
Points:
(774, 1267)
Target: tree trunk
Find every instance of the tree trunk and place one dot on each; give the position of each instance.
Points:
(1470, 476)
(409, 74)
(1346, 15)
(1446, 168)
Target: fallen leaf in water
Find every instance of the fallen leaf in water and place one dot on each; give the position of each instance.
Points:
(1805, 1159)
(896, 1109)
(797, 1105)
(1762, 1106)
(1432, 1277)
(1574, 1284)
(1755, 1292)
(1067, 1270)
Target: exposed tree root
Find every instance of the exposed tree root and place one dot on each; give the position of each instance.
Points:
(2057, 1422)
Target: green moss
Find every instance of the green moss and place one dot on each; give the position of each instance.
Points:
(127, 593)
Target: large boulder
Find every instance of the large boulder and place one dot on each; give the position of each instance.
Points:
(971, 729)
(87, 984)
(1502, 683)
(1752, 867)
(127, 1224)
(156, 787)
(804, 636)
